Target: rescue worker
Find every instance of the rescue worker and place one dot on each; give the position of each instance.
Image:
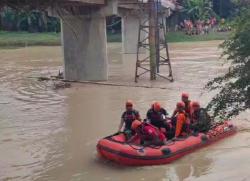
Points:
(200, 120)
(179, 122)
(185, 99)
(156, 115)
(147, 134)
(127, 118)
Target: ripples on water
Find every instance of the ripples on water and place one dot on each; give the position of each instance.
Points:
(31, 115)
(51, 135)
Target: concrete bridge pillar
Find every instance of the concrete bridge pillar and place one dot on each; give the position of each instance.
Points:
(85, 48)
(130, 28)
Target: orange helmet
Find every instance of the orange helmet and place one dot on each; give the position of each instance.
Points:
(129, 103)
(185, 95)
(195, 104)
(157, 106)
(180, 105)
(135, 124)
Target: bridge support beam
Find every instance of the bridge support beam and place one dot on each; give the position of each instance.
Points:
(85, 48)
(130, 32)
(130, 29)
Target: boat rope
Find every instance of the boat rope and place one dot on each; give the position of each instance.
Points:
(137, 149)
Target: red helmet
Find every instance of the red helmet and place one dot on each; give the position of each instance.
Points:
(195, 104)
(157, 106)
(185, 95)
(180, 105)
(135, 124)
(129, 103)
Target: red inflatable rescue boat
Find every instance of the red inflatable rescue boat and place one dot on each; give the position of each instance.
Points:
(116, 149)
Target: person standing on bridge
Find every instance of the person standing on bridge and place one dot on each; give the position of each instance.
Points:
(127, 118)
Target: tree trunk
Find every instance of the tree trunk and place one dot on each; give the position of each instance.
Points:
(1, 24)
(44, 18)
(15, 20)
(29, 24)
(18, 24)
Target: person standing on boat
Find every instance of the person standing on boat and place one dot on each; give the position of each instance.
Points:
(180, 122)
(127, 118)
(156, 115)
(200, 120)
(187, 102)
(147, 134)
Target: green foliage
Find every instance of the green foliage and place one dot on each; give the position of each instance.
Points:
(224, 8)
(234, 86)
(114, 37)
(198, 9)
(32, 21)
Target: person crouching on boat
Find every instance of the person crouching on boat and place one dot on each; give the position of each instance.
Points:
(127, 118)
(147, 134)
(156, 115)
(180, 121)
(200, 120)
(187, 102)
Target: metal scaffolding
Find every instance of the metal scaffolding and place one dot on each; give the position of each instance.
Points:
(152, 38)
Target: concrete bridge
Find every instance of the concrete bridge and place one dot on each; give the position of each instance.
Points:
(84, 36)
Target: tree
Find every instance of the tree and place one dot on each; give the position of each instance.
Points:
(9, 19)
(27, 20)
(198, 9)
(224, 8)
(234, 86)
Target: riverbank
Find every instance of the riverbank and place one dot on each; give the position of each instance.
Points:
(174, 37)
(23, 39)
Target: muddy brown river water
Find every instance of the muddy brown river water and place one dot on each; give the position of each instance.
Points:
(48, 134)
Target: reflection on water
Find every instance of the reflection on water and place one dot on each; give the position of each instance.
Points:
(51, 135)
(193, 166)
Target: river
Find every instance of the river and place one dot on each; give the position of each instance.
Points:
(48, 134)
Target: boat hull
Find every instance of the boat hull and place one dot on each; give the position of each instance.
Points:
(115, 148)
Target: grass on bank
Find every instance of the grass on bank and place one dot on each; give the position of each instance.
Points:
(173, 37)
(21, 39)
(182, 37)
